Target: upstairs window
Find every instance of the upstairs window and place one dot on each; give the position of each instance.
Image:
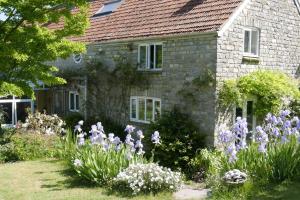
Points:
(108, 8)
(74, 101)
(251, 42)
(150, 57)
(144, 109)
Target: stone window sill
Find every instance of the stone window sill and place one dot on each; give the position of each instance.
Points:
(150, 70)
(250, 60)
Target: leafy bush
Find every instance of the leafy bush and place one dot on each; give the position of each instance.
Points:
(180, 140)
(269, 87)
(27, 147)
(34, 146)
(72, 119)
(44, 124)
(205, 164)
(7, 153)
(146, 178)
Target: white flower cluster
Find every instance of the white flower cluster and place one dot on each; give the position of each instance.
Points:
(149, 178)
(235, 177)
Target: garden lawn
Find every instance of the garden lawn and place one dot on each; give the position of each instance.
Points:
(43, 180)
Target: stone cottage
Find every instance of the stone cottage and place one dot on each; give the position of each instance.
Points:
(186, 49)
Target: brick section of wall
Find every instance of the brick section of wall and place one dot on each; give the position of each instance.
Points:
(279, 24)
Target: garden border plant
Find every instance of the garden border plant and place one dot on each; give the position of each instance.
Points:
(104, 160)
(271, 88)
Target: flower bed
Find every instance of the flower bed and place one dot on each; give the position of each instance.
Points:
(103, 159)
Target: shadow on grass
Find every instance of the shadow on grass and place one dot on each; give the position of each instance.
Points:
(286, 190)
(70, 182)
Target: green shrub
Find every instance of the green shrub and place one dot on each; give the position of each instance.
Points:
(269, 88)
(28, 147)
(180, 140)
(206, 163)
(7, 153)
(72, 119)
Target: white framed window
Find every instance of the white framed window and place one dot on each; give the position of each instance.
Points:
(15, 109)
(77, 58)
(247, 111)
(74, 101)
(144, 109)
(251, 42)
(150, 56)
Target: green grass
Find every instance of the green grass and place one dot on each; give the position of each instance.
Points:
(43, 180)
(284, 191)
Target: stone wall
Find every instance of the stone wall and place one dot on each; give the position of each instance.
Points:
(279, 25)
(184, 58)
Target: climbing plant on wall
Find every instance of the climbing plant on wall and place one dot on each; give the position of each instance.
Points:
(271, 88)
(110, 86)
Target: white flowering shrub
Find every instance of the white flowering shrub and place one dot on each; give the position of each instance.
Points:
(146, 178)
(44, 124)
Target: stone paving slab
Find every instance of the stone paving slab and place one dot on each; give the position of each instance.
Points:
(191, 194)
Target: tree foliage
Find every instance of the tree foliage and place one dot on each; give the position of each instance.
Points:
(28, 43)
(269, 87)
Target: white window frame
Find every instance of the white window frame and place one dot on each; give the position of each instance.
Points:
(136, 98)
(14, 102)
(148, 56)
(75, 101)
(250, 54)
(245, 114)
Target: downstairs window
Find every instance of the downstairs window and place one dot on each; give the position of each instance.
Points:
(144, 109)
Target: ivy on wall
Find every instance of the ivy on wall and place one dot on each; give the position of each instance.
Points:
(270, 88)
(109, 87)
(191, 88)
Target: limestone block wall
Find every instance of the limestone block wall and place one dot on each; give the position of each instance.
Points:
(184, 59)
(279, 25)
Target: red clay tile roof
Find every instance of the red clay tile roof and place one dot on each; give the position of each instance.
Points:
(147, 18)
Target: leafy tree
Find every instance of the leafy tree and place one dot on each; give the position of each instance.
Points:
(32, 33)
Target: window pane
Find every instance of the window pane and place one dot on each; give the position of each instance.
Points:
(22, 110)
(143, 57)
(250, 115)
(238, 112)
(151, 56)
(72, 103)
(133, 108)
(158, 56)
(254, 42)
(7, 111)
(156, 110)
(247, 42)
(141, 109)
(77, 102)
(149, 110)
